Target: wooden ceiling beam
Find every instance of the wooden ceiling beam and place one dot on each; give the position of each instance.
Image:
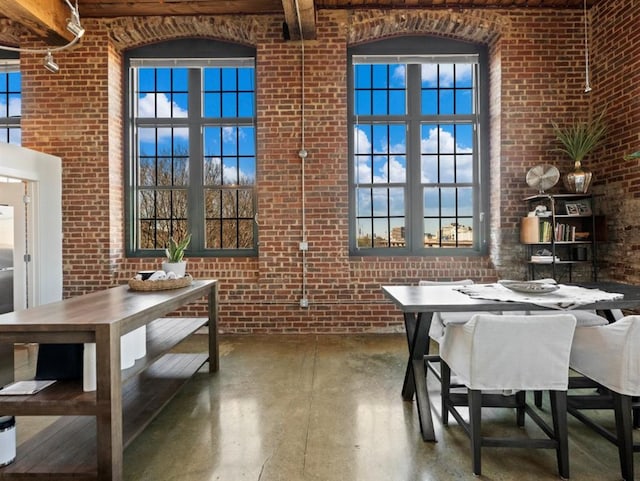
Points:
(307, 20)
(46, 18)
(129, 8)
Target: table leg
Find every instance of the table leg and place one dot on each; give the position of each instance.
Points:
(417, 329)
(423, 404)
(109, 404)
(214, 351)
(408, 387)
(415, 379)
(613, 315)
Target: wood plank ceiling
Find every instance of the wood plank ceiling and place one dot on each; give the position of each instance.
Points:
(48, 17)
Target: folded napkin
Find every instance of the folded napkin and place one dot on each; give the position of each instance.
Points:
(566, 297)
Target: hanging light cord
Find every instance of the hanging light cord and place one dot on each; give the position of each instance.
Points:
(587, 86)
(75, 18)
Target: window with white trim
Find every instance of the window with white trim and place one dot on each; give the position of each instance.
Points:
(417, 121)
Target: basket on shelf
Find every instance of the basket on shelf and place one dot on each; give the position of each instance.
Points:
(160, 285)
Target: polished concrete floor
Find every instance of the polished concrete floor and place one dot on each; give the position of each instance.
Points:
(328, 408)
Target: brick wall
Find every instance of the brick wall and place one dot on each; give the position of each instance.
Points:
(616, 81)
(537, 67)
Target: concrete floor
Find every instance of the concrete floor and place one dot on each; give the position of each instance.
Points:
(328, 408)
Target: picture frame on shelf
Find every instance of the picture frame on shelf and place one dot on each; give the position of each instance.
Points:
(571, 208)
(584, 207)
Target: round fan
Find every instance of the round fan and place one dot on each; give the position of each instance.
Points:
(542, 177)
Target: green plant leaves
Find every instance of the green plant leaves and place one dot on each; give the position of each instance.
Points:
(580, 138)
(175, 250)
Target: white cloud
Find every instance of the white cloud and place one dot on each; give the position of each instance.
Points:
(362, 142)
(15, 107)
(148, 104)
(447, 145)
(362, 146)
(397, 170)
(230, 175)
(399, 74)
(430, 74)
(229, 134)
(164, 134)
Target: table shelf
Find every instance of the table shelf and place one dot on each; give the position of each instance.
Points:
(68, 398)
(72, 447)
(67, 447)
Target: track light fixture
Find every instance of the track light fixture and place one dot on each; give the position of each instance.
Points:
(75, 28)
(50, 64)
(73, 25)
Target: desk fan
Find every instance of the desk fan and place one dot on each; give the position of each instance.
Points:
(542, 177)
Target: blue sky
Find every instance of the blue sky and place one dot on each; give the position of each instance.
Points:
(381, 149)
(228, 94)
(11, 104)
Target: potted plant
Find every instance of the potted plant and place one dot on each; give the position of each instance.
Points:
(578, 140)
(175, 256)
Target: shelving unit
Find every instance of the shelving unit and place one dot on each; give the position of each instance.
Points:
(88, 440)
(567, 233)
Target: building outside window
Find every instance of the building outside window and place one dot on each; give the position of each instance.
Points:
(417, 114)
(192, 149)
(10, 101)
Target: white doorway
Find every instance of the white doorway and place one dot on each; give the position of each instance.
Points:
(12, 195)
(41, 185)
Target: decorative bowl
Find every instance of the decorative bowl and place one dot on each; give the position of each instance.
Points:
(530, 287)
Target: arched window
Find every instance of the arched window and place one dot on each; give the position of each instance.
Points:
(191, 163)
(418, 149)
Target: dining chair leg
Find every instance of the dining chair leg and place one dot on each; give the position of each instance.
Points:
(520, 410)
(537, 398)
(475, 408)
(445, 383)
(561, 431)
(624, 433)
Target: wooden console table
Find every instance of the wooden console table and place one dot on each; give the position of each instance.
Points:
(87, 442)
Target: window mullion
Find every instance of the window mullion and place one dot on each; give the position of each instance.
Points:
(414, 206)
(195, 196)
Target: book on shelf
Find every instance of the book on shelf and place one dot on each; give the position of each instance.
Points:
(544, 259)
(565, 233)
(545, 231)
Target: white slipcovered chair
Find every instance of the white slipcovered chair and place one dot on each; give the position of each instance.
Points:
(584, 318)
(441, 319)
(510, 354)
(610, 356)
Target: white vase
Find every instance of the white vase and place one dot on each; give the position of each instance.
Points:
(178, 268)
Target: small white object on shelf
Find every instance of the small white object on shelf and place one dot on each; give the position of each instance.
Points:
(22, 388)
(544, 259)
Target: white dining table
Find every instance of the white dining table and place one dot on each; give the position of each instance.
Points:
(418, 303)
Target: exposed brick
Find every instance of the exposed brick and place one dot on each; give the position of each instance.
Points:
(536, 76)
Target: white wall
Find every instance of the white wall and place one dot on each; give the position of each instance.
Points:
(43, 172)
(12, 194)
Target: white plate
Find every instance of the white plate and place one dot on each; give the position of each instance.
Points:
(530, 287)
